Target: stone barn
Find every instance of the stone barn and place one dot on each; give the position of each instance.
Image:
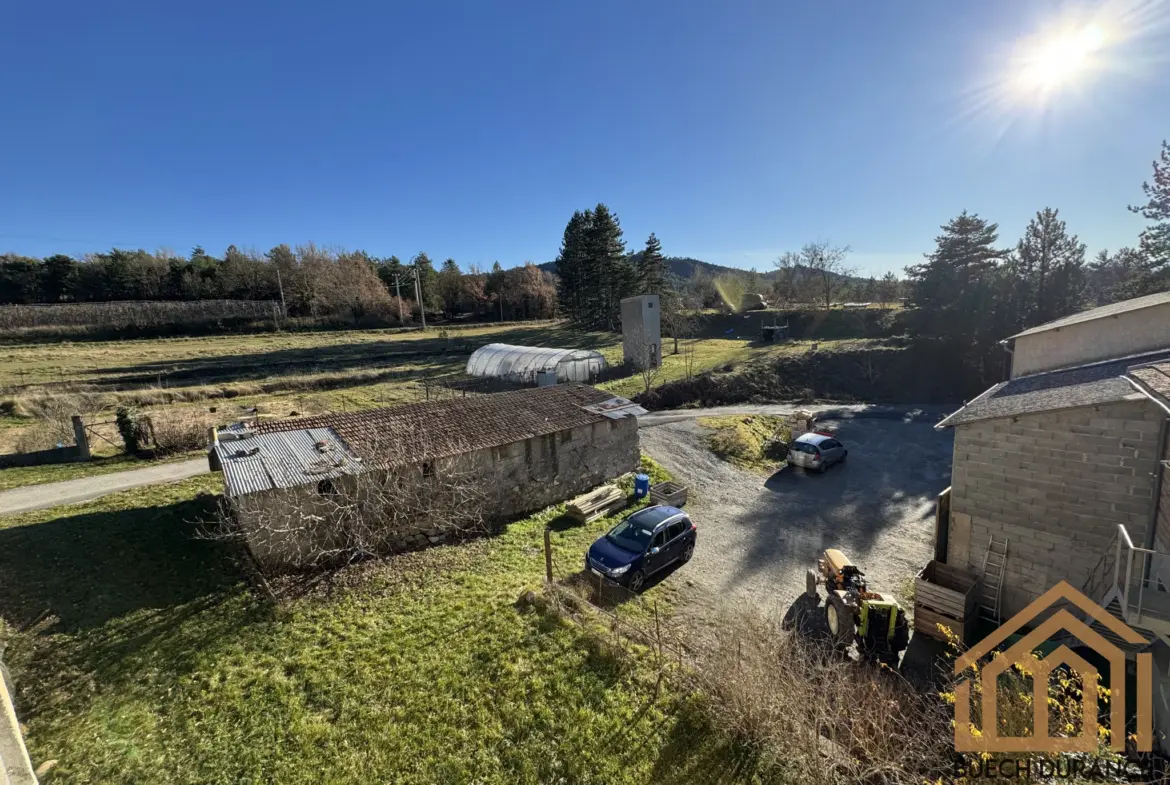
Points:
(525, 450)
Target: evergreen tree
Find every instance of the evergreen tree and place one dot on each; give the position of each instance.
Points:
(653, 277)
(58, 278)
(1153, 274)
(449, 283)
(1049, 268)
(952, 290)
(572, 267)
(427, 281)
(611, 273)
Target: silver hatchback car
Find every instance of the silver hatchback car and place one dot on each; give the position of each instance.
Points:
(816, 451)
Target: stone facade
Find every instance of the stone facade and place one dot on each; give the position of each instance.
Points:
(1055, 485)
(518, 478)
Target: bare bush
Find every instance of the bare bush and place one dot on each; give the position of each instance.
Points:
(136, 314)
(386, 507)
(180, 430)
(54, 416)
(818, 716)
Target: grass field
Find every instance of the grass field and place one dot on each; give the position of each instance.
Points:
(146, 659)
(279, 374)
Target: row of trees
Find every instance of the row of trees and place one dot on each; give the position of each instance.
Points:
(308, 280)
(970, 292)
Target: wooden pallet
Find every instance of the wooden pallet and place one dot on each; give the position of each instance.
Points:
(598, 503)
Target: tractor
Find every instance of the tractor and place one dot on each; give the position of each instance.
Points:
(854, 613)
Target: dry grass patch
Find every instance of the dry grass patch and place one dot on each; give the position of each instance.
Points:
(750, 441)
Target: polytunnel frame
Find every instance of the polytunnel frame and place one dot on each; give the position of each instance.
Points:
(523, 363)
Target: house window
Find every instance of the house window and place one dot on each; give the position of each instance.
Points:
(326, 488)
(566, 436)
(428, 468)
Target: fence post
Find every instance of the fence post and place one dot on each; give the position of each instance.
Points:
(81, 438)
(548, 554)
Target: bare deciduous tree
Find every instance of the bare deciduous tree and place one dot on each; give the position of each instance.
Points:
(387, 506)
(822, 265)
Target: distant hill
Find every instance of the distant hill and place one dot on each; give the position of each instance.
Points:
(685, 268)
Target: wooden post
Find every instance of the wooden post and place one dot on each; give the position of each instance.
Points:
(548, 554)
(80, 436)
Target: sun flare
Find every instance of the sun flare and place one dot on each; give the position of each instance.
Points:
(1061, 59)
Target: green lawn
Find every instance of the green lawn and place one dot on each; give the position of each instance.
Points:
(147, 660)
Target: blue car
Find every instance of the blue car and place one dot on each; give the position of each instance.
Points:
(641, 545)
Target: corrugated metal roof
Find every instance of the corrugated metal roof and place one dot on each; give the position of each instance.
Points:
(286, 459)
(1113, 309)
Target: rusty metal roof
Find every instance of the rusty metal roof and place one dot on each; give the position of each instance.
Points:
(418, 432)
(284, 459)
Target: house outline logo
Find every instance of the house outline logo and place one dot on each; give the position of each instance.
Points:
(1086, 741)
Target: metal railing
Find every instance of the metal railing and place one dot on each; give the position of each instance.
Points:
(1125, 553)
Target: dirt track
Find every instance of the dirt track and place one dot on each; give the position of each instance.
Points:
(758, 535)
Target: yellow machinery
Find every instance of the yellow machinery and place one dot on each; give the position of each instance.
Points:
(854, 613)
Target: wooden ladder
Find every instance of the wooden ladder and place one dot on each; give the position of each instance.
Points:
(994, 563)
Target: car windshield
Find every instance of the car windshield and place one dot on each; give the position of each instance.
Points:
(803, 447)
(630, 536)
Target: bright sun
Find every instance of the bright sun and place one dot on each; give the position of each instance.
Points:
(1060, 60)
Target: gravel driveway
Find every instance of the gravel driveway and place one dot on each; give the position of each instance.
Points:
(758, 535)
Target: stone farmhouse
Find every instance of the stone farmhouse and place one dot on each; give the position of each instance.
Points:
(526, 449)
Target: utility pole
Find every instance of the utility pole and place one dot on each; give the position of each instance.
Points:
(398, 292)
(280, 283)
(422, 309)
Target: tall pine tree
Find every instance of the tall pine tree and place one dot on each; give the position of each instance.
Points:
(1153, 275)
(572, 264)
(611, 273)
(653, 276)
(1049, 267)
(427, 280)
(952, 290)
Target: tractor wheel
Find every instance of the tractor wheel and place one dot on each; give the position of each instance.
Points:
(839, 620)
(810, 584)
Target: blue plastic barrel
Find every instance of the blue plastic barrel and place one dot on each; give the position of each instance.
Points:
(641, 485)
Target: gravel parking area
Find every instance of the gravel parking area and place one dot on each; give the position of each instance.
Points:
(758, 535)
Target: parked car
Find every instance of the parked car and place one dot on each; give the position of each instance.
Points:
(816, 451)
(641, 545)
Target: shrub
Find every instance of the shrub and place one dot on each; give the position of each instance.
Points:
(133, 429)
(181, 430)
(818, 717)
(736, 444)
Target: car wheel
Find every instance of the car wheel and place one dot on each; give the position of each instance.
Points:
(824, 467)
(844, 455)
(636, 581)
(688, 553)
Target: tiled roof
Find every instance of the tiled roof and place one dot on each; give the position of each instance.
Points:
(1085, 385)
(1113, 309)
(1154, 377)
(418, 432)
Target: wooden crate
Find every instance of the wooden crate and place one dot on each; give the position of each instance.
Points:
(598, 503)
(927, 622)
(669, 493)
(945, 595)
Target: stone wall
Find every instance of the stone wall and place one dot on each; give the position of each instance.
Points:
(535, 473)
(1055, 484)
(518, 478)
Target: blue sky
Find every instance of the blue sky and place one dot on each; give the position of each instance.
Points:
(734, 130)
